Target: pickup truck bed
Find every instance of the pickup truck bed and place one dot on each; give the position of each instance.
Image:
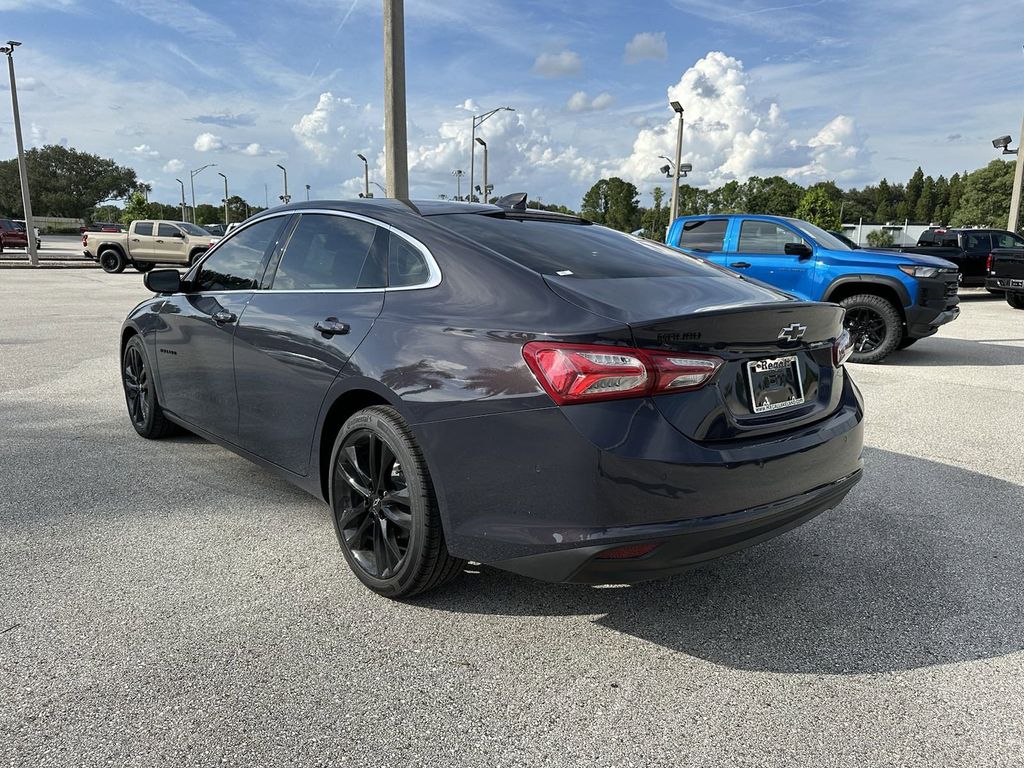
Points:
(1006, 273)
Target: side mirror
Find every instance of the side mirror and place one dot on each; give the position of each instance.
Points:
(179, 233)
(163, 280)
(803, 250)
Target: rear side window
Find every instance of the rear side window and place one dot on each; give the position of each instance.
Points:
(237, 263)
(144, 228)
(406, 265)
(703, 235)
(765, 237)
(330, 253)
(978, 241)
(572, 250)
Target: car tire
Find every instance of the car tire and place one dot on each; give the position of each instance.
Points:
(385, 511)
(144, 409)
(142, 267)
(1015, 299)
(112, 261)
(906, 342)
(875, 325)
(194, 257)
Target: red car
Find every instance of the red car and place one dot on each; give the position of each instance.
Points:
(11, 236)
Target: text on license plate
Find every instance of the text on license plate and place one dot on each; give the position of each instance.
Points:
(775, 383)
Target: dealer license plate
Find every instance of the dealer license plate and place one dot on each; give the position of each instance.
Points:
(775, 383)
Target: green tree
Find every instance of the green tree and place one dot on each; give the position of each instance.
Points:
(817, 207)
(64, 182)
(655, 220)
(614, 203)
(884, 211)
(135, 208)
(914, 189)
(941, 207)
(984, 198)
(925, 201)
(209, 214)
(774, 195)
(879, 238)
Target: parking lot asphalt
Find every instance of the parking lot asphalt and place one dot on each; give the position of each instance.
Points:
(168, 603)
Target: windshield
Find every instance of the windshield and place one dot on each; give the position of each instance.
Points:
(192, 229)
(570, 249)
(820, 236)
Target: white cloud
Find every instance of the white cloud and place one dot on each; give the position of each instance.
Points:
(730, 133)
(173, 166)
(581, 102)
(254, 150)
(562, 64)
(644, 46)
(208, 142)
(145, 151)
(312, 127)
(37, 135)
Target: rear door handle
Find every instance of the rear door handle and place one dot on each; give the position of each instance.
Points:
(740, 264)
(332, 326)
(222, 317)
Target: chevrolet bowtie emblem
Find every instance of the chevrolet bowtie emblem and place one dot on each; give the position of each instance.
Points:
(793, 332)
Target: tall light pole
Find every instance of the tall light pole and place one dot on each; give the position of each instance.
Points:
(483, 144)
(285, 198)
(307, 193)
(192, 181)
(366, 174)
(182, 199)
(227, 220)
(478, 120)
(396, 153)
(458, 174)
(674, 211)
(1003, 142)
(26, 200)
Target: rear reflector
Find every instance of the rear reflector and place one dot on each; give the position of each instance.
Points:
(628, 551)
(580, 373)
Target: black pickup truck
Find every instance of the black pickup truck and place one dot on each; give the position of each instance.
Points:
(1006, 273)
(969, 249)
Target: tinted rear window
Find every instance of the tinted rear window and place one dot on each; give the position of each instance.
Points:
(572, 250)
(703, 234)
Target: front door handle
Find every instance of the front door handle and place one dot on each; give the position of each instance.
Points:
(222, 317)
(332, 326)
(159, 241)
(740, 264)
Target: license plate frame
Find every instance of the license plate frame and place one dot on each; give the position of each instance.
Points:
(1014, 283)
(769, 377)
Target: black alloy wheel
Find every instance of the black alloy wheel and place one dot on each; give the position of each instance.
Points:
(144, 410)
(385, 511)
(111, 261)
(875, 326)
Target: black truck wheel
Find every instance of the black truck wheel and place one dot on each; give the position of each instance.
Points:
(875, 325)
(1015, 299)
(112, 261)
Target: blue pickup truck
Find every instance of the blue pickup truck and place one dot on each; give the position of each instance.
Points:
(891, 299)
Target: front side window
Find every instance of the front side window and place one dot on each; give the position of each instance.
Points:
(331, 253)
(765, 237)
(1007, 240)
(237, 263)
(703, 235)
(167, 230)
(144, 229)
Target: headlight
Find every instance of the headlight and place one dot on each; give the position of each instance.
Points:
(915, 271)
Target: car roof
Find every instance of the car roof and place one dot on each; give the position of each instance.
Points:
(391, 210)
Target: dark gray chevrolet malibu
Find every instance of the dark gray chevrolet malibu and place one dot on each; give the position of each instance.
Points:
(503, 385)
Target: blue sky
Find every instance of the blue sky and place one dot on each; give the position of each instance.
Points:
(817, 89)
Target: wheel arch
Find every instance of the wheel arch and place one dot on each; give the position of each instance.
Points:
(108, 246)
(889, 289)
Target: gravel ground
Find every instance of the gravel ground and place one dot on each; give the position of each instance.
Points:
(168, 603)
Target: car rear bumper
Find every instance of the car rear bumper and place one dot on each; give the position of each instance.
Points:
(1005, 284)
(571, 482)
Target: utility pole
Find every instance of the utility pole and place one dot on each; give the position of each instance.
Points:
(285, 198)
(227, 220)
(1018, 177)
(478, 120)
(396, 155)
(482, 143)
(674, 212)
(182, 199)
(366, 175)
(26, 200)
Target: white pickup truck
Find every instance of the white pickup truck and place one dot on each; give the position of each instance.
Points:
(147, 243)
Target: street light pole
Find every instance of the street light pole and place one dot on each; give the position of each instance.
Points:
(227, 220)
(192, 181)
(307, 193)
(458, 174)
(679, 156)
(285, 198)
(1018, 177)
(182, 199)
(478, 120)
(26, 200)
(366, 175)
(482, 143)
(396, 153)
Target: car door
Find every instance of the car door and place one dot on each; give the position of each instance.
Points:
(977, 247)
(761, 253)
(168, 244)
(193, 344)
(322, 294)
(705, 238)
(140, 240)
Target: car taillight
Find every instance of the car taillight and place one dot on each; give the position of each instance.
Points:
(580, 373)
(85, 239)
(842, 348)
(988, 263)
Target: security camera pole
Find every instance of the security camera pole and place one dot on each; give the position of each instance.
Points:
(182, 199)
(192, 180)
(26, 201)
(285, 198)
(1003, 142)
(674, 211)
(483, 144)
(366, 174)
(478, 120)
(226, 219)
(396, 153)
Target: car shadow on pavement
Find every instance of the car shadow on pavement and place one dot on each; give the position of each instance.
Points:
(945, 351)
(921, 565)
